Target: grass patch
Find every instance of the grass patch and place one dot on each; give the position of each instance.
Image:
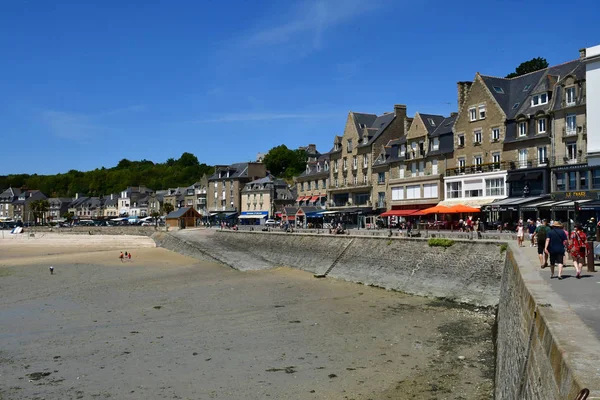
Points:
(503, 248)
(435, 242)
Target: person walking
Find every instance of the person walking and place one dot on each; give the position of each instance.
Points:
(520, 234)
(578, 248)
(555, 247)
(51, 270)
(540, 234)
(531, 231)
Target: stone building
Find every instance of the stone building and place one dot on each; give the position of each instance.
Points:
(58, 206)
(409, 170)
(195, 196)
(262, 198)
(111, 209)
(311, 185)
(130, 197)
(226, 184)
(351, 189)
(22, 205)
(175, 197)
(7, 198)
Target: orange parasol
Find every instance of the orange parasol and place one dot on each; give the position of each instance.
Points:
(437, 210)
(461, 208)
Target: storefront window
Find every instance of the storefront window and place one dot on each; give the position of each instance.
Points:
(560, 182)
(572, 180)
(494, 187)
(596, 178)
(454, 190)
(583, 181)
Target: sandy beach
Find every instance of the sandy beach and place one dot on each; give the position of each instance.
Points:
(165, 326)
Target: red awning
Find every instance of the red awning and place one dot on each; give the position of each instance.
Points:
(314, 198)
(399, 213)
(300, 198)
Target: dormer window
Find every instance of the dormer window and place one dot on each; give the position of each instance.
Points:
(326, 166)
(307, 169)
(482, 111)
(336, 146)
(522, 129)
(402, 150)
(431, 121)
(570, 92)
(539, 99)
(472, 114)
(498, 90)
(318, 167)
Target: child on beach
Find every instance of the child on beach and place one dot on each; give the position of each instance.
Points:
(121, 256)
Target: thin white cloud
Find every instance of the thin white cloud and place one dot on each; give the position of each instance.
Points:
(248, 117)
(309, 21)
(81, 127)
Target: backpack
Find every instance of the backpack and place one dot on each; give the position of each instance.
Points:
(541, 235)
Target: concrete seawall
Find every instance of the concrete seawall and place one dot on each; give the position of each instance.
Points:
(544, 351)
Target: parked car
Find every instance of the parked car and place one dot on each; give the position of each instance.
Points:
(271, 222)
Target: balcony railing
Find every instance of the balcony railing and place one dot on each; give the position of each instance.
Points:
(349, 185)
(348, 203)
(473, 169)
(529, 163)
(381, 204)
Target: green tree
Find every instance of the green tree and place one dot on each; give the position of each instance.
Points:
(535, 64)
(39, 208)
(168, 208)
(283, 162)
(68, 216)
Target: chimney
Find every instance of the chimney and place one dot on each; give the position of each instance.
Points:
(76, 196)
(111, 196)
(463, 90)
(400, 110)
(582, 53)
(311, 149)
(453, 114)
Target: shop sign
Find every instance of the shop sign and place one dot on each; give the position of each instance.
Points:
(576, 195)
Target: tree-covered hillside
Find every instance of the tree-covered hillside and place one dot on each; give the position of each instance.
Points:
(182, 172)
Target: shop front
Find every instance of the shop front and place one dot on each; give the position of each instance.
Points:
(253, 217)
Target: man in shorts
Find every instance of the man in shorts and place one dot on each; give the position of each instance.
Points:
(540, 236)
(556, 240)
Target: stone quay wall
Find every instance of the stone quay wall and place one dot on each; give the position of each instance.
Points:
(134, 230)
(543, 350)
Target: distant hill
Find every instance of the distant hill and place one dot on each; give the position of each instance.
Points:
(182, 172)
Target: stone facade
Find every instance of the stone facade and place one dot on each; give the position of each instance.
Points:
(350, 174)
(226, 184)
(313, 182)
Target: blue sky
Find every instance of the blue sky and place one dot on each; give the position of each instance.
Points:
(85, 84)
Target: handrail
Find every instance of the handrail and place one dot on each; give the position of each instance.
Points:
(583, 394)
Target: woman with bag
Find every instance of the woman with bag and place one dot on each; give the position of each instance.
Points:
(578, 248)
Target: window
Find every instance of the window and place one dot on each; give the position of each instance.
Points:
(571, 124)
(560, 182)
(335, 182)
(473, 189)
(462, 163)
(522, 158)
(421, 168)
(570, 96)
(413, 169)
(461, 140)
(431, 121)
(496, 160)
(435, 144)
(336, 146)
(349, 146)
(326, 166)
(335, 166)
(453, 190)
(302, 187)
(318, 167)
(430, 190)
(324, 184)
(365, 161)
(482, 112)
(345, 181)
(596, 179)
(572, 151)
(498, 90)
(355, 162)
(522, 128)
(494, 187)
(541, 123)
(539, 99)
(355, 180)
(365, 181)
(477, 161)
(515, 106)
(398, 193)
(434, 167)
(526, 88)
(572, 180)
(413, 192)
(473, 114)
(345, 164)
(583, 181)
(495, 134)
(402, 150)
(477, 136)
(421, 149)
(381, 177)
(542, 155)
(401, 171)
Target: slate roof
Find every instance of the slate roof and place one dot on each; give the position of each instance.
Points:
(437, 120)
(518, 90)
(444, 127)
(178, 213)
(376, 128)
(10, 194)
(311, 170)
(237, 170)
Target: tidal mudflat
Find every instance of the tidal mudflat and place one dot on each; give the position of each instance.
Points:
(165, 326)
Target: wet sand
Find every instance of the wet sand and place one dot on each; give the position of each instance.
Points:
(165, 326)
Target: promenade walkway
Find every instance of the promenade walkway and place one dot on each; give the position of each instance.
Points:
(583, 295)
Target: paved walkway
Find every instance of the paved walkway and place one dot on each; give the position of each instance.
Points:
(583, 295)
